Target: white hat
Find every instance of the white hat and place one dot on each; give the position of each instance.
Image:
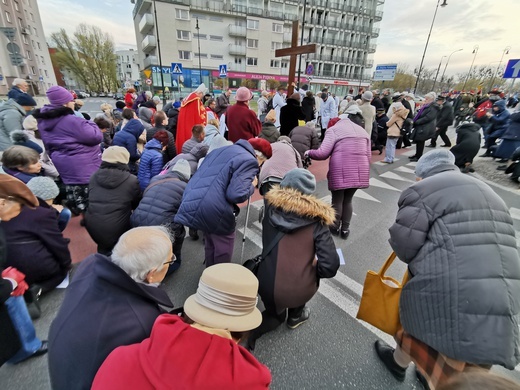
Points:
(201, 88)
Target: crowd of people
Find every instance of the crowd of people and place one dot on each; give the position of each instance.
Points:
(138, 175)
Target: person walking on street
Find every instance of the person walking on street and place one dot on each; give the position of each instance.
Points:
(424, 124)
(328, 110)
(444, 120)
(241, 121)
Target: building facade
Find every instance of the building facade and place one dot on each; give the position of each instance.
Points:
(127, 67)
(23, 50)
(244, 34)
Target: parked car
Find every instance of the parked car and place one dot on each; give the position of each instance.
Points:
(81, 94)
(119, 96)
(102, 94)
(110, 94)
(94, 94)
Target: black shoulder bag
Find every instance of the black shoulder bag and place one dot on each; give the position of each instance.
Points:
(252, 264)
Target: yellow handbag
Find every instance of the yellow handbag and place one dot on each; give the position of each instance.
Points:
(379, 304)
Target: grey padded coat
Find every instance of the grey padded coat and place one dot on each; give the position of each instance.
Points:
(458, 239)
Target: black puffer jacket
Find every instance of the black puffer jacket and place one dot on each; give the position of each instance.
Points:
(173, 116)
(468, 144)
(290, 114)
(308, 107)
(304, 138)
(424, 126)
(113, 194)
(445, 117)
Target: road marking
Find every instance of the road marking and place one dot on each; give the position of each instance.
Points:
(395, 176)
(378, 183)
(349, 283)
(255, 238)
(406, 170)
(413, 163)
(363, 195)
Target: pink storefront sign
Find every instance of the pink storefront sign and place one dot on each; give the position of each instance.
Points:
(252, 76)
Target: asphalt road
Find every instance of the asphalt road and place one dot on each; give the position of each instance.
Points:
(333, 349)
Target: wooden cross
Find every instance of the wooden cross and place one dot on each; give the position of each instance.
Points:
(294, 50)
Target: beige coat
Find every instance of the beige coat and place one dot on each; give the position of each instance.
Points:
(369, 115)
(396, 122)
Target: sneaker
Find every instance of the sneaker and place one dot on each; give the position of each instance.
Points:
(42, 350)
(445, 146)
(334, 231)
(414, 158)
(345, 234)
(387, 162)
(431, 146)
(386, 354)
(293, 323)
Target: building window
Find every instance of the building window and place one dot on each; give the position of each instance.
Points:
(43, 60)
(275, 63)
(252, 24)
(284, 65)
(276, 45)
(238, 60)
(201, 55)
(24, 39)
(32, 18)
(216, 19)
(184, 55)
(216, 38)
(252, 43)
(20, 22)
(29, 56)
(200, 36)
(182, 14)
(277, 28)
(33, 71)
(252, 61)
(8, 16)
(4, 1)
(35, 31)
(46, 73)
(39, 46)
(183, 35)
(16, 6)
(217, 56)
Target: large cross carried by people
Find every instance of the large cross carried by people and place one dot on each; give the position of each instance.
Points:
(294, 50)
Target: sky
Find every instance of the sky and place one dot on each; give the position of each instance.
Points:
(404, 29)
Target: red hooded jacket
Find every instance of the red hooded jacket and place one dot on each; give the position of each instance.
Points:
(179, 356)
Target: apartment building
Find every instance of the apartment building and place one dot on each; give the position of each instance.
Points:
(244, 34)
(23, 51)
(127, 67)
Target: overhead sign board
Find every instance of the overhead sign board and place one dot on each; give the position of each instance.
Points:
(512, 69)
(385, 72)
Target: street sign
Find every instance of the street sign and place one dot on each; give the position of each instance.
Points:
(176, 68)
(13, 48)
(512, 69)
(41, 78)
(385, 72)
(147, 73)
(9, 32)
(310, 69)
(1, 77)
(148, 81)
(137, 83)
(222, 69)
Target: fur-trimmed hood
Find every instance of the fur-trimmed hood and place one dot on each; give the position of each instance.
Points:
(293, 210)
(52, 112)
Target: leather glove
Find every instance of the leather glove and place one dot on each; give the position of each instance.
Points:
(21, 289)
(13, 273)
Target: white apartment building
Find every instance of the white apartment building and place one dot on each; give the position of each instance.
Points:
(244, 34)
(127, 67)
(29, 45)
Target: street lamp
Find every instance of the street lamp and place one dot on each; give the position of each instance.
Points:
(436, 74)
(506, 51)
(198, 43)
(475, 51)
(447, 62)
(159, 52)
(301, 42)
(444, 4)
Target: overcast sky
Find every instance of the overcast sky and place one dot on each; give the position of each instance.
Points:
(404, 29)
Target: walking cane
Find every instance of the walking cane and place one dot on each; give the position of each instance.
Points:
(245, 227)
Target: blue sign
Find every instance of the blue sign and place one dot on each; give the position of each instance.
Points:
(176, 68)
(310, 69)
(1, 77)
(41, 78)
(165, 69)
(512, 69)
(222, 69)
(137, 83)
(385, 72)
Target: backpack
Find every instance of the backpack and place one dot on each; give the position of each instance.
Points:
(269, 105)
(481, 111)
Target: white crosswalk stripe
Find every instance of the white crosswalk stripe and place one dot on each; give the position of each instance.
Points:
(405, 170)
(395, 176)
(378, 183)
(363, 195)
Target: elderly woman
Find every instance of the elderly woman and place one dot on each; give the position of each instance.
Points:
(424, 124)
(112, 301)
(461, 306)
(395, 125)
(72, 143)
(18, 339)
(269, 131)
(199, 351)
(349, 148)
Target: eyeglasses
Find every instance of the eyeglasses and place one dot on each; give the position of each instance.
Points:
(172, 260)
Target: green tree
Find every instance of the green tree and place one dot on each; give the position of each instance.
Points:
(89, 55)
(272, 84)
(404, 80)
(251, 84)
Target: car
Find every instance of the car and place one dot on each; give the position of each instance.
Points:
(119, 96)
(94, 94)
(110, 94)
(102, 94)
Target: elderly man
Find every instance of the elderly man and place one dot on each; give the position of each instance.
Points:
(368, 111)
(223, 103)
(12, 114)
(328, 110)
(20, 87)
(191, 113)
(110, 302)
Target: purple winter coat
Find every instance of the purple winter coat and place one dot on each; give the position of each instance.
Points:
(350, 149)
(72, 143)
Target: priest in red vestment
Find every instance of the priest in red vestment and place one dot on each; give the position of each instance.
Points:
(191, 113)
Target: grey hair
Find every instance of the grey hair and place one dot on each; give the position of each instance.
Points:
(431, 95)
(141, 250)
(260, 154)
(19, 81)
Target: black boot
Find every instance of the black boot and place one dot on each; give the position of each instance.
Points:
(293, 323)
(334, 230)
(386, 354)
(345, 231)
(422, 379)
(193, 234)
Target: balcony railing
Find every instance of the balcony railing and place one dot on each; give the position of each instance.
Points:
(146, 23)
(237, 31)
(237, 50)
(149, 43)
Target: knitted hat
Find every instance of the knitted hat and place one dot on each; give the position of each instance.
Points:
(428, 162)
(12, 187)
(30, 123)
(19, 137)
(271, 116)
(43, 187)
(367, 96)
(353, 109)
(26, 100)
(116, 155)
(300, 179)
(177, 104)
(243, 94)
(262, 145)
(156, 98)
(58, 95)
(182, 167)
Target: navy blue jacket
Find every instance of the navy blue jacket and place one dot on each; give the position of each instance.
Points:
(513, 131)
(500, 119)
(223, 180)
(151, 162)
(103, 309)
(128, 136)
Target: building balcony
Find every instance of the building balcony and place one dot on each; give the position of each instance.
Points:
(255, 11)
(149, 61)
(378, 16)
(237, 50)
(275, 15)
(374, 33)
(236, 67)
(146, 24)
(141, 6)
(372, 48)
(237, 31)
(287, 37)
(149, 43)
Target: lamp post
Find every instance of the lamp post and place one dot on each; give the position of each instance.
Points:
(198, 43)
(447, 62)
(506, 51)
(159, 52)
(475, 51)
(436, 74)
(301, 43)
(444, 4)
